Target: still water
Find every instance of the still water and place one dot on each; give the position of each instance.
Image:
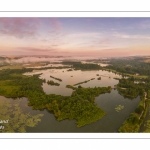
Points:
(108, 102)
(74, 77)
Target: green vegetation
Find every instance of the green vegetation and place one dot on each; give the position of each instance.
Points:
(14, 84)
(56, 78)
(19, 66)
(129, 89)
(103, 61)
(14, 118)
(135, 120)
(99, 78)
(148, 94)
(71, 87)
(127, 74)
(147, 125)
(81, 66)
(134, 66)
(92, 78)
(70, 70)
(51, 82)
(117, 78)
(119, 107)
(81, 82)
(79, 106)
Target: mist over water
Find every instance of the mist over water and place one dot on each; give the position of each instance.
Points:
(29, 59)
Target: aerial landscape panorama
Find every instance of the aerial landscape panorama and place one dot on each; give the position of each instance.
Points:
(74, 75)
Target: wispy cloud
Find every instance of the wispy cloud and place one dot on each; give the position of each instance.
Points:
(55, 24)
(19, 27)
(35, 49)
(129, 36)
(85, 35)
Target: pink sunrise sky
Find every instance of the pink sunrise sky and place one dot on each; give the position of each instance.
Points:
(101, 37)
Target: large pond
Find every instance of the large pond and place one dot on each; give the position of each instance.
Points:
(108, 102)
(74, 77)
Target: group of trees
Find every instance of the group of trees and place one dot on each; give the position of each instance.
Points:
(51, 82)
(148, 94)
(81, 66)
(132, 66)
(136, 119)
(59, 67)
(131, 89)
(99, 78)
(92, 78)
(14, 84)
(128, 87)
(71, 87)
(81, 82)
(79, 106)
(56, 78)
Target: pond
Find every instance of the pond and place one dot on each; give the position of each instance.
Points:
(74, 77)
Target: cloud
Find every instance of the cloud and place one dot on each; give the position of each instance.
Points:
(104, 41)
(44, 40)
(54, 31)
(34, 49)
(129, 36)
(19, 27)
(101, 42)
(55, 23)
(55, 26)
(83, 35)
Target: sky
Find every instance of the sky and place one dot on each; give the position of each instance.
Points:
(97, 37)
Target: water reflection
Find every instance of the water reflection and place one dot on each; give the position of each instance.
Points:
(74, 77)
(109, 123)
